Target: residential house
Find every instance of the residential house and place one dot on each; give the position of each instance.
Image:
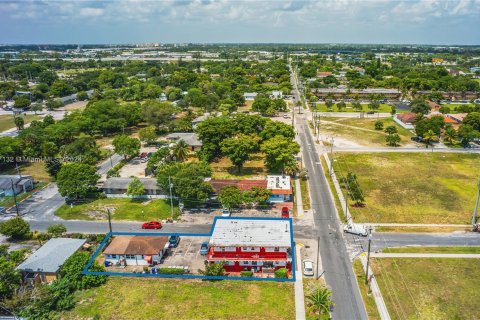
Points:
(73, 97)
(199, 119)
(43, 266)
(276, 95)
(190, 138)
(406, 119)
(321, 74)
(281, 188)
(259, 245)
(434, 107)
(250, 96)
(136, 250)
(457, 117)
(117, 187)
(15, 183)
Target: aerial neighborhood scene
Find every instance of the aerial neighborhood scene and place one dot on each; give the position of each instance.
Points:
(240, 159)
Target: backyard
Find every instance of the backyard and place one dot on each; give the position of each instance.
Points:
(360, 131)
(254, 168)
(429, 288)
(120, 209)
(134, 298)
(413, 187)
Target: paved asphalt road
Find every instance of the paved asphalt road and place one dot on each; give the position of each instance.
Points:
(108, 163)
(336, 262)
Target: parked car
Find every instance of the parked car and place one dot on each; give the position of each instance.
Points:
(204, 248)
(417, 139)
(285, 212)
(226, 212)
(173, 241)
(354, 228)
(152, 225)
(308, 268)
(285, 116)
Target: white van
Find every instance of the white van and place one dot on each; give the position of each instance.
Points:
(354, 228)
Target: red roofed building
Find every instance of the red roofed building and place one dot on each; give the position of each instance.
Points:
(321, 74)
(433, 105)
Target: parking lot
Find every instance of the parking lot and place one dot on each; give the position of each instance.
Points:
(187, 253)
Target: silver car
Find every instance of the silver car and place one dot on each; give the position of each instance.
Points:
(308, 268)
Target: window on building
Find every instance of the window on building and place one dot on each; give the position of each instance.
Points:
(277, 249)
(130, 256)
(254, 263)
(113, 256)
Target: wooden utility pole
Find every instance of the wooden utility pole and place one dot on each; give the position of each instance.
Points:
(368, 253)
(475, 210)
(109, 220)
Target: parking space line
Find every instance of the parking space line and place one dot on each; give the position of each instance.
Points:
(190, 244)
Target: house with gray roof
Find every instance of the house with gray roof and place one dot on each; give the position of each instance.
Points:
(15, 183)
(190, 138)
(43, 266)
(117, 187)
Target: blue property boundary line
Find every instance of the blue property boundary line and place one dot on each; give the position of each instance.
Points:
(191, 276)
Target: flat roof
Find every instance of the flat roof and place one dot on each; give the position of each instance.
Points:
(52, 255)
(278, 182)
(254, 232)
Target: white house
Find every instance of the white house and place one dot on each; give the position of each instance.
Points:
(250, 96)
(276, 95)
(136, 250)
(281, 188)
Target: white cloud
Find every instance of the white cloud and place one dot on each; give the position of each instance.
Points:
(91, 12)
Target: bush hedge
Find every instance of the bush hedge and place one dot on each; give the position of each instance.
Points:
(171, 271)
(281, 273)
(246, 273)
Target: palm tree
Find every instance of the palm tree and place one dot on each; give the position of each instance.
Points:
(180, 150)
(318, 300)
(429, 136)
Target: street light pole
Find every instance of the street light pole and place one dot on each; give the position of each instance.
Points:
(109, 220)
(368, 253)
(475, 210)
(170, 184)
(15, 197)
(331, 156)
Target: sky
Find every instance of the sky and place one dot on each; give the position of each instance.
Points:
(442, 22)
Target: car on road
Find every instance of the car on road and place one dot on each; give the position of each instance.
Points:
(152, 225)
(204, 248)
(308, 268)
(417, 139)
(285, 212)
(226, 212)
(354, 228)
(285, 116)
(173, 241)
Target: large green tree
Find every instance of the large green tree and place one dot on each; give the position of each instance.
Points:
(15, 228)
(9, 278)
(279, 152)
(158, 114)
(230, 197)
(238, 149)
(148, 135)
(135, 188)
(126, 146)
(77, 180)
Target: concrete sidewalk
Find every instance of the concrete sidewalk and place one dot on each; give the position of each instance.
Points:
(417, 225)
(298, 197)
(377, 295)
(426, 255)
(299, 295)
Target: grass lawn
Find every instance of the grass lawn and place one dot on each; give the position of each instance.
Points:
(134, 298)
(433, 250)
(414, 229)
(321, 107)
(431, 288)
(34, 169)
(367, 297)
(7, 122)
(120, 209)
(413, 187)
(362, 131)
(254, 168)
(305, 194)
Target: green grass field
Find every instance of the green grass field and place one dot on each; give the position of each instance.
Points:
(7, 122)
(120, 209)
(367, 297)
(305, 194)
(413, 187)
(475, 250)
(134, 298)
(362, 131)
(321, 107)
(419, 288)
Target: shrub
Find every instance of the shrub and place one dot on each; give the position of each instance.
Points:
(246, 273)
(16, 228)
(378, 125)
(72, 271)
(171, 271)
(145, 269)
(281, 273)
(56, 230)
(213, 269)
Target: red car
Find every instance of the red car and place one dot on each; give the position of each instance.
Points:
(285, 212)
(152, 225)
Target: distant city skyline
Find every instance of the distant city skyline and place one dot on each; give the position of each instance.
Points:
(434, 22)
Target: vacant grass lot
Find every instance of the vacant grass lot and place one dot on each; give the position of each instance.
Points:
(35, 169)
(413, 187)
(120, 209)
(362, 131)
(475, 250)
(131, 298)
(321, 107)
(7, 122)
(429, 288)
(254, 168)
